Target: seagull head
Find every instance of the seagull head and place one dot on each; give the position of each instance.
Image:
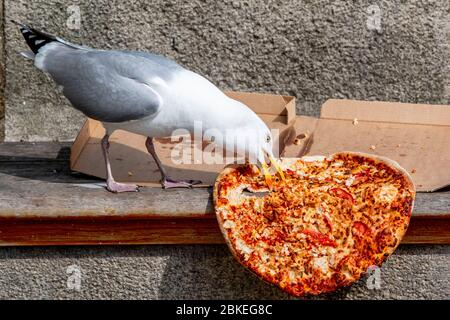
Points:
(254, 140)
(262, 151)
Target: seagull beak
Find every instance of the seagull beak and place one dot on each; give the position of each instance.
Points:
(277, 167)
(265, 168)
(267, 175)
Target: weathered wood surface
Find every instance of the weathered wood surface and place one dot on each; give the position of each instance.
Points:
(42, 202)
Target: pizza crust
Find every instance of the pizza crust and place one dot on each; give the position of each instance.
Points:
(395, 166)
(229, 169)
(389, 162)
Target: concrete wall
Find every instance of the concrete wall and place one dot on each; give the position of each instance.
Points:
(196, 272)
(314, 50)
(2, 75)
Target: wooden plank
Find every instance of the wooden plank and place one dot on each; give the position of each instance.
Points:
(431, 230)
(43, 203)
(34, 151)
(49, 190)
(112, 230)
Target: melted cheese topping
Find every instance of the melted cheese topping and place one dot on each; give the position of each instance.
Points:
(322, 227)
(387, 193)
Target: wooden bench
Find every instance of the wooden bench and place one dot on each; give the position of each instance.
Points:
(43, 203)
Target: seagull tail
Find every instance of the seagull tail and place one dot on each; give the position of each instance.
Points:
(35, 39)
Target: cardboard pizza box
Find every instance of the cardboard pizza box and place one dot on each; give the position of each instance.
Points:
(417, 136)
(131, 162)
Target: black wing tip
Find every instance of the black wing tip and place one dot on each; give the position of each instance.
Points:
(19, 24)
(34, 38)
(22, 26)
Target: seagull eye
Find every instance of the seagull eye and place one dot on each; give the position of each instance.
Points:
(268, 139)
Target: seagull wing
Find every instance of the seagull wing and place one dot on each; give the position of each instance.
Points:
(109, 86)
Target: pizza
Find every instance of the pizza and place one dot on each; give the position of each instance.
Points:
(322, 226)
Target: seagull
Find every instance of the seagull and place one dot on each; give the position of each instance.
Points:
(146, 94)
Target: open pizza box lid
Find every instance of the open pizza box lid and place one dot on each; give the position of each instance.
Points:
(416, 136)
(130, 161)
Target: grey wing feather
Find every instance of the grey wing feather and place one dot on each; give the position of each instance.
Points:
(109, 86)
(73, 45)
(155, 58)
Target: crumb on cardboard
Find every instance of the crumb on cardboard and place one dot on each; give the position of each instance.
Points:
(300, 137)
(372, 147)
(413, 171)
(130, 173)
(355, 122)
(399, 145)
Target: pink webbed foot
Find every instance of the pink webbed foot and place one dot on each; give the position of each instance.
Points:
(117, 187)
(169, 183)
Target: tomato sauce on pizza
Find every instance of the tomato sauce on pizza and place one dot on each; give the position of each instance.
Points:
(321, 227)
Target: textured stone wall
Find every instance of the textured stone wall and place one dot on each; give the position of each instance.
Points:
(197, 272)
(314, 50)
(2, 75)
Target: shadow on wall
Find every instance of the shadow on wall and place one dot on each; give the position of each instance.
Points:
(211, 272)
(2, 129)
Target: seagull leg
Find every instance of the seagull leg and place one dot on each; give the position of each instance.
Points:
(112, 185)
(166, 181)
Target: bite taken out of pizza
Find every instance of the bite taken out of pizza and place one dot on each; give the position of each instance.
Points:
(321, 227)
